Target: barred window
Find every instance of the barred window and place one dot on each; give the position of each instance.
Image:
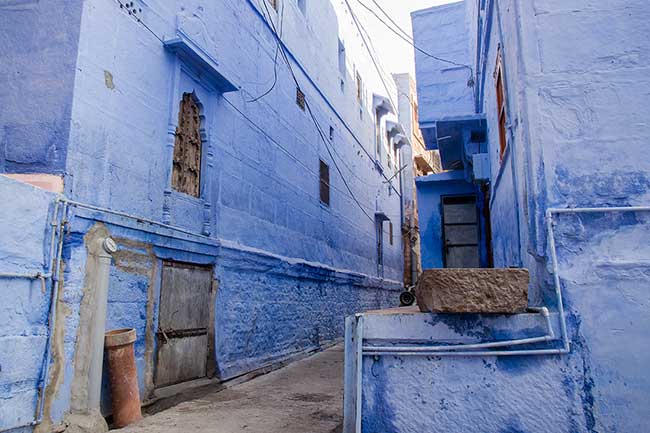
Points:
(186, 172)
(300, 98)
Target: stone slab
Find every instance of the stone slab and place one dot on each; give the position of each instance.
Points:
(487, 291)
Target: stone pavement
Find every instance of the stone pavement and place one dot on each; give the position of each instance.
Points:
(304, 397)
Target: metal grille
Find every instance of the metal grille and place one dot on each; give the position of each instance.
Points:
(300, 98)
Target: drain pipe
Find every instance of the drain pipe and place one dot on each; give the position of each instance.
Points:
(412, 241)
(103, 256)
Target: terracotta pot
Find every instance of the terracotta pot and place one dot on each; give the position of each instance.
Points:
(125, 394)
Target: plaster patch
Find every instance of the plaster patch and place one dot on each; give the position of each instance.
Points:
(108, 80)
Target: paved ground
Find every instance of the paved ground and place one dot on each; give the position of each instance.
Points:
(304, 397)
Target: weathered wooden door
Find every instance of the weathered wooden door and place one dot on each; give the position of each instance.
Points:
(460, 232)
(183, 322)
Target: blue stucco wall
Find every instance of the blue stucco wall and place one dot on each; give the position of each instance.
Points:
(24, 249)
(39, 54)
(565, 114)
(430, 190)
(288, 268)
(600, 386)
(443, 32)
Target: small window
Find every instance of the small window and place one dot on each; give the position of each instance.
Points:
(274, 3)
(300, 98)
(188, 143)
(390, 232)
(359, 88)
(342, 67)
(501, 106)
(331, 133)
(378, 136)
(324, 183)
(379, 230)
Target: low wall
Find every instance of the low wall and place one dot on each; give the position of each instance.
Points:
(601, 385)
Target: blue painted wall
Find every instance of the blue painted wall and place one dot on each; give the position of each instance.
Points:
(430, 191)
(288, 268)
(39, 54)
(442, 86)
(576, 75)
(24, 308)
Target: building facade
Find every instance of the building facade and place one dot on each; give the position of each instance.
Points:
(234, 161)
(424, 162)
(538, 109)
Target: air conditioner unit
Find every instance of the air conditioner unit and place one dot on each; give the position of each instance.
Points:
(481, 164)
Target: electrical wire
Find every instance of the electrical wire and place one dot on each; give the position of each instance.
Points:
(280, 46)
(375, 62)
(275, 60)
(128, 8)
(311, 115)
(408, 39)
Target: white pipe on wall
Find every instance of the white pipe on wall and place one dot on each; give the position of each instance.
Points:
(438, 351)
(100, 288)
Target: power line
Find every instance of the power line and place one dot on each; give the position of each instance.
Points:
(275, 60)
(129, 9)
(268, 21)
(351, 195)
(408, 39)
(362, 30)
(311, 114)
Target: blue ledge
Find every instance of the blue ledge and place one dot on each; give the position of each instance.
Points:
(205, 65)
(445, 176)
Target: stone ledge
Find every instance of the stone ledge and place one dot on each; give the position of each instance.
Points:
(480, 291)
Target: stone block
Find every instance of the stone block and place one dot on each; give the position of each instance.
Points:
(497, 291)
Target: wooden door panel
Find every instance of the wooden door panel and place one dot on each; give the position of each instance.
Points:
(181, 359)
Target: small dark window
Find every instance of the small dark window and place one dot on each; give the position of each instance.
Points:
(342, 68)
(331, 133)
(274, 3)
(390, 232)
(501, 106)
(186, 171)
(300, 98)
(379, 223)
(324, 183)
(359, 88)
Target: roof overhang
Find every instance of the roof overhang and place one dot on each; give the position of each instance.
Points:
(456, 137)
(382, 105)
(381, 216)
(204, 64)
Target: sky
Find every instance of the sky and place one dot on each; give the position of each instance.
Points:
(397, 55)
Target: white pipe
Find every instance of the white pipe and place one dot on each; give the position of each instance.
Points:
(452, 348)
(556, 279)
(54, 299)
(100, 289)
(359, 343)
(28, 275)
(137, 218)
(598, 209)
(534, 352)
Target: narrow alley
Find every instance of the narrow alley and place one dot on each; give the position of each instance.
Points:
(324, 216)
(303, 397)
